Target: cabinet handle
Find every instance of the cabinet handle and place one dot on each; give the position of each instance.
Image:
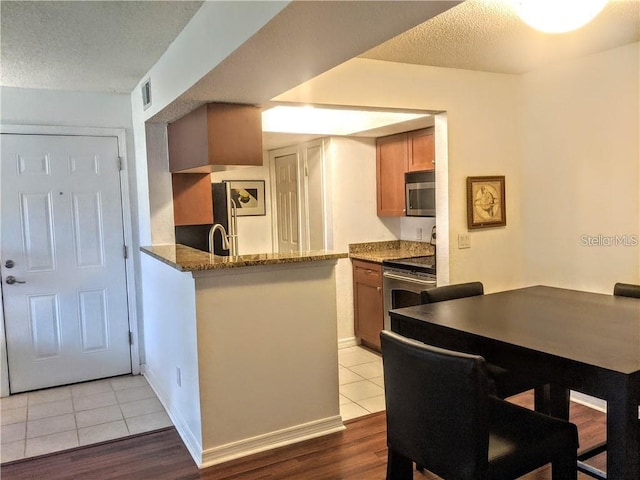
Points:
(379, 289)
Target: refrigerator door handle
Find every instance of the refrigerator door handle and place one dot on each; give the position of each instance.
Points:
(234, 228)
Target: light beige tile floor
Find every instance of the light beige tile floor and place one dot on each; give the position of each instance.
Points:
(54, 419)
(361, 382)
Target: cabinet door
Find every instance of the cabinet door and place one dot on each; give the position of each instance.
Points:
(214, 135)
(187, 141)
(368, 302)
(391, 164)
(421, 150)
(192, 203)
(234, 134)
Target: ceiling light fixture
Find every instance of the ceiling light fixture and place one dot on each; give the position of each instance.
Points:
(558, 16)
(327, 121)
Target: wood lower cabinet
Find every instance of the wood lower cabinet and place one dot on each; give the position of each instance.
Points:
(396, 154)
(368, 302)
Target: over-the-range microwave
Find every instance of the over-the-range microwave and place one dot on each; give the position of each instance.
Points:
(420, 188)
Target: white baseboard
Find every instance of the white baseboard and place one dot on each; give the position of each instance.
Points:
(269, 441)
(347, 342)
(589, 401)
(186, 434)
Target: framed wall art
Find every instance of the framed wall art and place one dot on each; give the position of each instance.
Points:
(248, 196)
(486, 202)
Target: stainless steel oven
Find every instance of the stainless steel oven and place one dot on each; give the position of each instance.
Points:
(407, 277)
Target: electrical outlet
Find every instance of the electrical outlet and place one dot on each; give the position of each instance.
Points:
(464, 240)
(418, 233)
(178, 377)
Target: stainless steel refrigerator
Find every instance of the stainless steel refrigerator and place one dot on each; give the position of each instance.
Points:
(225, 214)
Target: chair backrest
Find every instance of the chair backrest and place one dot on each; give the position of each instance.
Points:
(626, 290)
(404, 298)
(437, 406)
(451, 292)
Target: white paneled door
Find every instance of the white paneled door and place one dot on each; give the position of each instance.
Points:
(63, 266)
(286, 167)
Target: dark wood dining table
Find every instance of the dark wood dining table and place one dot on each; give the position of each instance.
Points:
(574, 340)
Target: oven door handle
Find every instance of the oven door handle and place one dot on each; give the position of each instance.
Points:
(408, 279)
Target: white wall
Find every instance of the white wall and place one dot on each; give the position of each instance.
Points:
(580, 167)
(160, 187)
(46, 107)
(267, 350)
(169, 299)
(215, 31)
(483, 121)
(353, 194)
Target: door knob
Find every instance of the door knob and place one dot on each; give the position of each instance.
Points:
(10, 280)
(9, 264)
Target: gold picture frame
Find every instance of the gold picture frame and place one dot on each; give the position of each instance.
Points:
(486, 205)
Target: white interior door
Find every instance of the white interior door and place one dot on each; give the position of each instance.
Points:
(62, 235)
(286, 191)
(314, 190)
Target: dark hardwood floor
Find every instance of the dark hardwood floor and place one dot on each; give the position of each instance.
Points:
(358, 453)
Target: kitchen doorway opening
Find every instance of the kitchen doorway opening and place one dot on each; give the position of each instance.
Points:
(298, 197)
(308, 180)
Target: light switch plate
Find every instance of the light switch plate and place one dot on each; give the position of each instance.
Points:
(464, 240)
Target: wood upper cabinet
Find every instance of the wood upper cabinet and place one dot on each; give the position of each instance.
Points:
(392, 157)
(368, 302)
(421, 150)
(395, 155)
(192, 202)
(215, 134)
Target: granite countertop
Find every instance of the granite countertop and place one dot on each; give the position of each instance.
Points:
(187, 259)
(378, 252)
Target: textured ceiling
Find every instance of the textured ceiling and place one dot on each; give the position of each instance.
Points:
(104, 46)
(108, 46)
(487, 35)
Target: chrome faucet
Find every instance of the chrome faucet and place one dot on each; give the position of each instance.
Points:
(225, 237)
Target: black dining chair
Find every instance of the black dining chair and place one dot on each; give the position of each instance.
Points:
(404, 298)
(452, 292)
(505, 382)
(626, 290)
(441, 416)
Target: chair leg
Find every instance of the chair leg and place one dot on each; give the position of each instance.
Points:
(541, 399)
(559, 400)
(565, 467)
(399, 467)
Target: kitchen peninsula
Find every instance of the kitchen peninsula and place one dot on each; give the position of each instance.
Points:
(242, 351)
